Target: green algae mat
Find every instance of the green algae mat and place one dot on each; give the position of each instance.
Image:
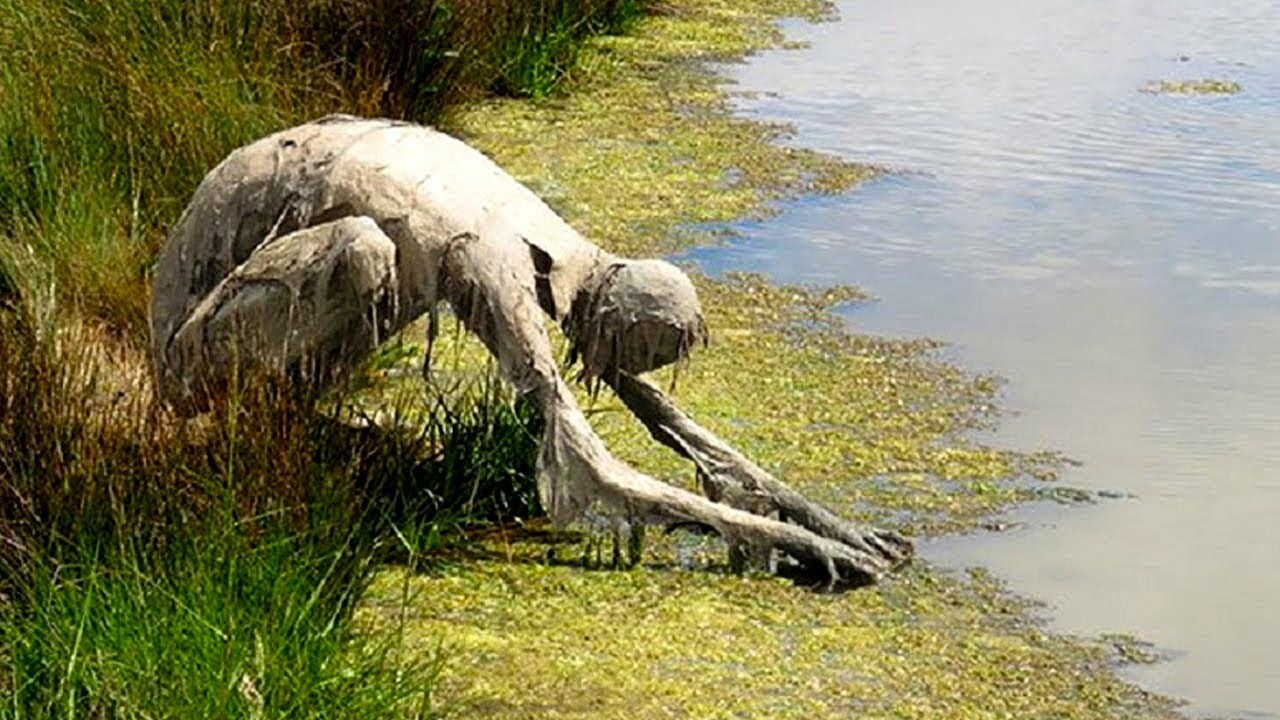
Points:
(1207, 86)
(639, 154)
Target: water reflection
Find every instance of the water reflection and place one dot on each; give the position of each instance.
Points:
(1115, 254)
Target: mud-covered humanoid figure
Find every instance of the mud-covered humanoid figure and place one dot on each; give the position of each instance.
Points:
(306, 249)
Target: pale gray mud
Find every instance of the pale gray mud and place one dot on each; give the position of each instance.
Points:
(1114, 253)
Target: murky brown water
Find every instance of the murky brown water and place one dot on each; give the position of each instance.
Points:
(1114, 254)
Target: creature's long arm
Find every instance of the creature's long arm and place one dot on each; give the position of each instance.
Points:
(728, 476)
(489, 282)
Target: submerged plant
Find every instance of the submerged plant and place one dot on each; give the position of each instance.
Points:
(1206, 86)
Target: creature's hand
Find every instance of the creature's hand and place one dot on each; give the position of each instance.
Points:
(729, 477)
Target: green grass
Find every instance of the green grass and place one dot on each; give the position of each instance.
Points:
(157, 567)
(215, 627)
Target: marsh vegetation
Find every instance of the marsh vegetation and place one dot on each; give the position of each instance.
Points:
(1206, 86)
(267, 560)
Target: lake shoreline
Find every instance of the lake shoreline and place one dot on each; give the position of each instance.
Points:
(644, 147)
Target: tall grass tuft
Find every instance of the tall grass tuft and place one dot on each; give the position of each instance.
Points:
(540, 45)
(156, 567)
(210, 626)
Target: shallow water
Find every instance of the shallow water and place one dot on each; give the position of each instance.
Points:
(1114, 254)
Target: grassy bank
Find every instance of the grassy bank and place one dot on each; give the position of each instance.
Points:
(156, 567)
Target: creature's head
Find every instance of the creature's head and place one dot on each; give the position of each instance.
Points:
(634, 316)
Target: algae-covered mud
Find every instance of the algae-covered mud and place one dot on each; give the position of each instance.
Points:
(638, 153)
(1206, 86)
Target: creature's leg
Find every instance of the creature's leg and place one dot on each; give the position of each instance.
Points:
(489, 282)
(311, 303)
(728, 476)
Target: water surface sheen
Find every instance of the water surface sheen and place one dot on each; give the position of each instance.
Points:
(1114, 254)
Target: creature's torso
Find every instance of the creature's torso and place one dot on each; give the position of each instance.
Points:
(421, 187)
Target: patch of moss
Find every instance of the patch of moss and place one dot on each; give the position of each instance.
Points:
(641, 150)
(1131, 650)
(1206, 86)
(532, 639)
